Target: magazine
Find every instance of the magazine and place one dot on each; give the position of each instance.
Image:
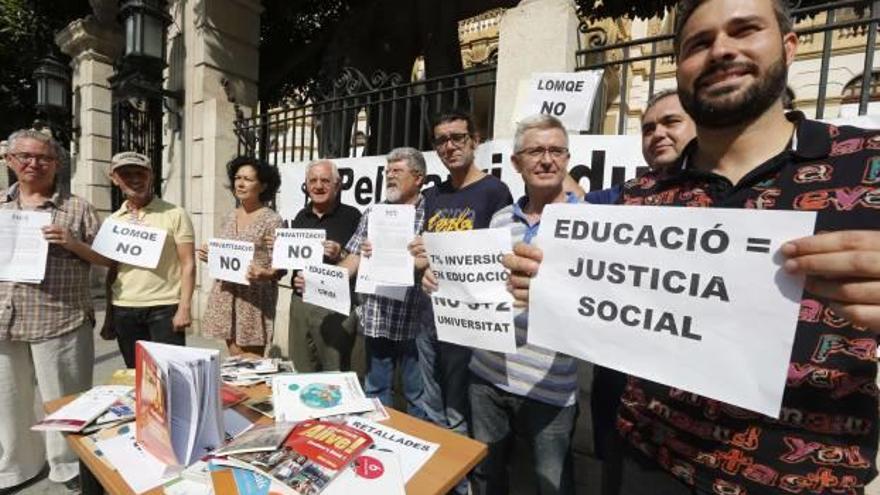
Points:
(263, 406)
(121, 411)
(75, 415)
(313, 455)
(316, 395)
(231, 396)
(260, 438)
(177, 405)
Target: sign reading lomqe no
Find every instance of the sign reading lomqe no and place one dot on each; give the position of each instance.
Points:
(129, 243)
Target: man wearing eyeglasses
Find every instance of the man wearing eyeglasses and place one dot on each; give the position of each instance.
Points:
(534, 391)
(465, 201)
(46, 327)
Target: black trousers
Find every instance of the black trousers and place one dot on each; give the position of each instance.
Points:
(626, 471)
(152, 323)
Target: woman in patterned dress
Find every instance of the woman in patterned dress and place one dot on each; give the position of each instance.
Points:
(244, 315)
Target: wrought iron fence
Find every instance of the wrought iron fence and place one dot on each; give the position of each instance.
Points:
(844, 26)
(356, 115)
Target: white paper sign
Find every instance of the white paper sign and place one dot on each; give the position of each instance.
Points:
(364, 283)
(693, 298)
(296, 248)
(596, 162)
(467, 264)
(327, 286)
(413, 451)
(567, 96)
(390, 230)
(23, 250)
(130, 243)
(486, 326)
(229, 260)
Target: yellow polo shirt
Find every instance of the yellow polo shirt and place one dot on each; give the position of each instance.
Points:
(141, 287)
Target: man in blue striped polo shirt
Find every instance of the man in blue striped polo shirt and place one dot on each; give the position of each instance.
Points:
(531, 393)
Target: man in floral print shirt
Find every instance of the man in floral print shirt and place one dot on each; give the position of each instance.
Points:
(733, 57)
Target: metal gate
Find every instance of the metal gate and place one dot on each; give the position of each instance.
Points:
(851, 23)
(356, 115)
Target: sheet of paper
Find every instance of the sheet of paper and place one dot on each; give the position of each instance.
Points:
(467, 264)
(694, 298)
(327, 286)
(413, 452)
(390, 230)
(140, 470)
(229, 260)
(23, 250)
(482, 325)
(130, 243)
(296, 248)
(364, 283)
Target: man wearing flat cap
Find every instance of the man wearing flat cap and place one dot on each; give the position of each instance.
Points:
(150, 304)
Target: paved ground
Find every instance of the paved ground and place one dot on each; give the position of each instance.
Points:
(587, 469)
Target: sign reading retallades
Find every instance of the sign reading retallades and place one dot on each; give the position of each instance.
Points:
(130, 243)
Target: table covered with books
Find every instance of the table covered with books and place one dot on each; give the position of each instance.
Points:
(380, 450)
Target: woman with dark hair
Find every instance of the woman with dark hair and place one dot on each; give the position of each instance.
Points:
(244, 315)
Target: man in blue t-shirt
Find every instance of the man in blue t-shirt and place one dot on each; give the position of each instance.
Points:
(465, 201)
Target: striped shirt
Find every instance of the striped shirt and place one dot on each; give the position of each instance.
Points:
(532, 372)
(62, 302)
(383, 317)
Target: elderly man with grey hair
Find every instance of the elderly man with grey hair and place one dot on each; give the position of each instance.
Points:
(390, 322)
(533, 392)
(46, 328)
(321, 339)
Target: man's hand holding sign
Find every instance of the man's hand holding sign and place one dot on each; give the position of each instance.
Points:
(843, 267)
(471, 306)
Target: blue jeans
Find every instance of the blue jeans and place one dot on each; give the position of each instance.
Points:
(151, 323)
(382, 357)
(445, 379)
(497, 416)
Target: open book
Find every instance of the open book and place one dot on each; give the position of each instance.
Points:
(177, 405)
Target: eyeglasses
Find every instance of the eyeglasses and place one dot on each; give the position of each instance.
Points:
(538, 152)
(27, 157)
(397, 172)
(456, 138)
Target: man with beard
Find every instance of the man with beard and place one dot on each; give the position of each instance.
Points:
(389, 319)
(733, 57)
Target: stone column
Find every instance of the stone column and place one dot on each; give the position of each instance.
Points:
(217, 46)
(535, 36)
(92, 46)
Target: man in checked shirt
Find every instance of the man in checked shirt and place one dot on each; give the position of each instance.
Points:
(45, 328)
(389, 320)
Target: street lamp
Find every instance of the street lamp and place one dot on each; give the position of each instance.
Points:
(52, 79)
(140, 71)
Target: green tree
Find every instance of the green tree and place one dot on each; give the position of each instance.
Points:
(27, 29)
